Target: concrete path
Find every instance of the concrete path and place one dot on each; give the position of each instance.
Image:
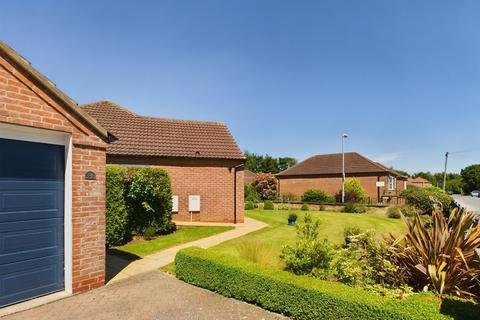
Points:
(119, 269)
(153, 296)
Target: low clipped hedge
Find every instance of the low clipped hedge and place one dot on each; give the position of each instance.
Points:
(298, 297)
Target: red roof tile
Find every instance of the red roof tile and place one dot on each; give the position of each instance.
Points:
(149, 136)
(331, 164)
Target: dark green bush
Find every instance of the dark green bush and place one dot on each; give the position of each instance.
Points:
(149, 199)
(353, 208)
(268, 205)
(318, 196)
(305, 207)
(394, 212)
(251, 194)
(249, 205)
(298, 297)
(116, 214)
(425, 199)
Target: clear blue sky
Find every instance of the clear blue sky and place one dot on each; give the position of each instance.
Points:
(402, 78)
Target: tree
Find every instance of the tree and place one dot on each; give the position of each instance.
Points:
(267, 163)
(401, 172)
(471, 177)
(266, 185)
(285, 163)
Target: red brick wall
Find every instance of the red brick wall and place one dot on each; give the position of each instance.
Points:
(22, 102)
(332, 185)
(213, 180)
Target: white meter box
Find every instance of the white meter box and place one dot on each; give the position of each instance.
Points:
(194, 203)
(174, 203)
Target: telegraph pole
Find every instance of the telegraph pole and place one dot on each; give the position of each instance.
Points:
(445, 171)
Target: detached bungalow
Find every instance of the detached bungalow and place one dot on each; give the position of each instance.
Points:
(419, 182)
(204, 161)
(324, 172)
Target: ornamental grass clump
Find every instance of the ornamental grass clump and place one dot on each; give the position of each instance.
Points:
(443, 257)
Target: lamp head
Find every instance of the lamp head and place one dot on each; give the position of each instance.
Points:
(344, 135)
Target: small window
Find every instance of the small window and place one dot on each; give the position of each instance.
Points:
(175, 204)
(392, 183)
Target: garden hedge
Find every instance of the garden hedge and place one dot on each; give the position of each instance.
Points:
(116, 214)
(138, 202)
(299, 297)
(149, 199)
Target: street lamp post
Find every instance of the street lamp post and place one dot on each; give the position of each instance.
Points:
(344, 136)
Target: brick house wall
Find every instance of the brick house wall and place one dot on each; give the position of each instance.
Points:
(212, 179)
(23, 102)
(333, 184)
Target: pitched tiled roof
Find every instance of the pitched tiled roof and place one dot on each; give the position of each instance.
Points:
(148, 136)
(418, 180)
(331, 164)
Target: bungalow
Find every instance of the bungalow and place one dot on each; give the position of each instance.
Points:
(52, 187)
(204, 161)
(324, 172)
(418, 182)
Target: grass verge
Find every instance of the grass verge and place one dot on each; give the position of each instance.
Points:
(182, 235)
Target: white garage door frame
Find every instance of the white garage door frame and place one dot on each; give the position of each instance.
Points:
(23, 133)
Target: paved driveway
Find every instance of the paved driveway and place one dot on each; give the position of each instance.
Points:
(153, 295)
(470, 203)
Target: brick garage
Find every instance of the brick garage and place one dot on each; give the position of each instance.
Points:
(35, 115)
(202, 158)
(324, 172)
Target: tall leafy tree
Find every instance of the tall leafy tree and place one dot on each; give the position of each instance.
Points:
(267, 163)
(286, 162)
(471, 177)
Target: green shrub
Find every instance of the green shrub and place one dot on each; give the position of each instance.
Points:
(425, 199)
(298, 297)
(249, 205)
(268, 205)
(251, 194)
(351, 231)
(363, 262)
(149, 199)
(309, 255)
(116, 214)
(289, 197)
(293, 216)
(318, 196)
(353, 208)
(394, 212)
(305, 207)
(282, 206)
(150, 233)
(354, 191)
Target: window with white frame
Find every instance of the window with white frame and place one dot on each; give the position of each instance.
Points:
(392, 183)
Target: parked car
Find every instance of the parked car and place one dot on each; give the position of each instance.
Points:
(475, 193)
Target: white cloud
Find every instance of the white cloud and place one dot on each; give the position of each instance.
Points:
(387, 157)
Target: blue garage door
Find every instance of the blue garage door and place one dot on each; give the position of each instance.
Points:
(31, 220)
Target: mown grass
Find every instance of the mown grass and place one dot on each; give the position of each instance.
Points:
(182, 235)
(278, 233)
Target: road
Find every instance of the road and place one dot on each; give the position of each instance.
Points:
(469, 203)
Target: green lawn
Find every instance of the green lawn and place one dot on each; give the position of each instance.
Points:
(278, 233)
(182, 235)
